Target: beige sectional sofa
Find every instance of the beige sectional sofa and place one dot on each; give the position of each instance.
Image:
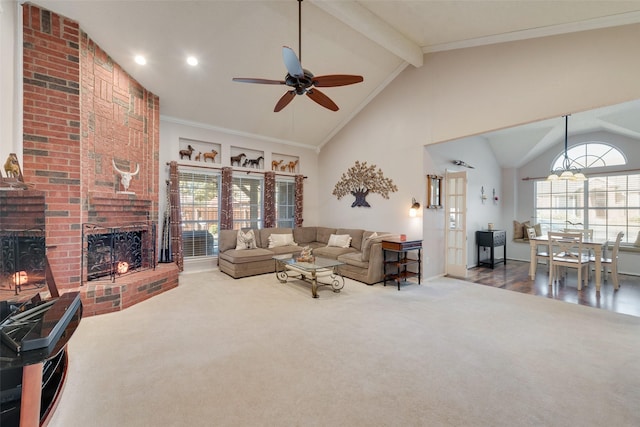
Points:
(363, 260)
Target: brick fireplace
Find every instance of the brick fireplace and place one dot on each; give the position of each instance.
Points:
(82, 114)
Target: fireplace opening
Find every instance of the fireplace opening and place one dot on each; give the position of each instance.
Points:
(22, 259)
(117, 251)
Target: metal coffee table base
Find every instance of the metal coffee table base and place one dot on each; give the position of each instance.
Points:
(317, 276)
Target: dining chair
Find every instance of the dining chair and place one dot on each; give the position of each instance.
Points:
(540, 254)
(566, 250)
(611, 264)
(587, 233)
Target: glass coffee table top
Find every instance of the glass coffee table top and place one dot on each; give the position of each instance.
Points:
(327, 269)
(317, 263)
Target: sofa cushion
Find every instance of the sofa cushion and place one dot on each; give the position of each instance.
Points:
(331, 251)
(323, 233)
(246, 255)
(277, 240)
(289, 249)
(246, 240)
(353, 258)
(356, 236)
(339, 240)
(304, 235)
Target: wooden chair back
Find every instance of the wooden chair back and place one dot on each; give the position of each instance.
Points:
(566, 250)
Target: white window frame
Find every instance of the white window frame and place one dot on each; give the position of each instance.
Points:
(247, 213)
(200, 212)
(288, 206)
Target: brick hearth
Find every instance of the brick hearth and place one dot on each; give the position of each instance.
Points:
(102, 296)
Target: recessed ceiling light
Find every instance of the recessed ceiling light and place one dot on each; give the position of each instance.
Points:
(140, 60)
(192, 60)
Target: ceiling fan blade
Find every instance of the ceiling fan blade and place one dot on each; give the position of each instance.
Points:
(336, 80)
(322, 99)
(285, 100)
(261, 81)
(291, 61)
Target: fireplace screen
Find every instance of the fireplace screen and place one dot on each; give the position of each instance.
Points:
(112, 252)
(22, 258)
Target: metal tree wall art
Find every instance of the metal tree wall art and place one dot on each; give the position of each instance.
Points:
(360, 180)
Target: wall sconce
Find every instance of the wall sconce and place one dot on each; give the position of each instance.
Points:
(415, 206)
(495, 197)
(483, 196)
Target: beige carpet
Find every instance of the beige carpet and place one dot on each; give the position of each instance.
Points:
(254, 352)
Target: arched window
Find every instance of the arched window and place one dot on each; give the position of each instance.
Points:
(607, 202)
(591, 155)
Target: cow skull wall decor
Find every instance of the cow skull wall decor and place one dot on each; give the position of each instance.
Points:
(125, 177)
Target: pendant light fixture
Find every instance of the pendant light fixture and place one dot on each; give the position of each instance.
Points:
(566, 172)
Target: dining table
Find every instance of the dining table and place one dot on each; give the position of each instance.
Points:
(594, 245)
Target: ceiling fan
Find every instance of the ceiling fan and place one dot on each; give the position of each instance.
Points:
(302, 81)
(462, 163)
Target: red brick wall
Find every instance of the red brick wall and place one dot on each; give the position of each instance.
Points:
(21, 210)
(51, 156)
(120, 121)
(81, 110)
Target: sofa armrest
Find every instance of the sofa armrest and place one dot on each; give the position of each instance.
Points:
(227, 240)
(375, 272)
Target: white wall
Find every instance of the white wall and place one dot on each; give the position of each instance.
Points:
(468, 92)
(10, 117)
(486, 173)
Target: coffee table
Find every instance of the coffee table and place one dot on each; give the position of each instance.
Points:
(319, 268)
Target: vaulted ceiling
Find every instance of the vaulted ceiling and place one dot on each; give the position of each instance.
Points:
(375, 39)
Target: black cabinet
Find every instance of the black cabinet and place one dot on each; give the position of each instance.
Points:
(491, 239)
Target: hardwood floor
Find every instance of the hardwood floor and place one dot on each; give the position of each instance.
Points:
(514, 276)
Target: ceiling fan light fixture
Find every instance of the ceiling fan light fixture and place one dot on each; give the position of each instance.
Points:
(567, 172)
(301, 81)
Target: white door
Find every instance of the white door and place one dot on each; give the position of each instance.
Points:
(456, 228)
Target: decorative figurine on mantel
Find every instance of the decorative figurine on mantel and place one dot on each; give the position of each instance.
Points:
(14, 179)
(125, 177)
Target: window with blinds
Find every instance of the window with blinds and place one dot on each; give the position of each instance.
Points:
(247, 202)
(200, 206)
(285, 202)
(606, 204)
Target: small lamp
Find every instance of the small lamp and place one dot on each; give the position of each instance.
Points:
(414, 207)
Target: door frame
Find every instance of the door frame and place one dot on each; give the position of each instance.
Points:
(455, 238)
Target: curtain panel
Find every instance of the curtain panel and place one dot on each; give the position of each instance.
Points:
(176, 216)
(226, 203)
(299, 179)
(269, 199)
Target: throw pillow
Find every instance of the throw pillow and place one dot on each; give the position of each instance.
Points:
(246, 240)
(531, 233)
(538, 229)
(339, 240)
(637, 242)
(518, 231)
(277, 240)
